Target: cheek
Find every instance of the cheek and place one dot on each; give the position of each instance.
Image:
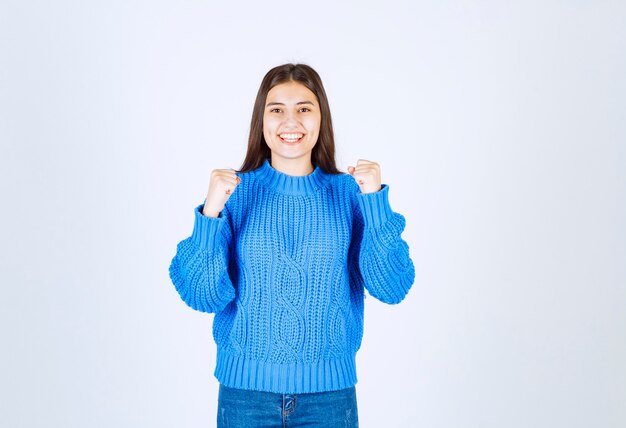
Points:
(313, 124)
(267, 127)
(271, 123)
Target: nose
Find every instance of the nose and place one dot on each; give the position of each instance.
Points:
(290, 119)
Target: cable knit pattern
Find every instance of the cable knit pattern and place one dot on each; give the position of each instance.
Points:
(284, 268)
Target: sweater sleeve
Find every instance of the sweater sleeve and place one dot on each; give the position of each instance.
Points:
(379, 256)
(199, 269)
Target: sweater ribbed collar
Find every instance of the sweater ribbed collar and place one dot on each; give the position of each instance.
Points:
(291, 184)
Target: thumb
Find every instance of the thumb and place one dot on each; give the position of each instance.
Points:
(350, 170)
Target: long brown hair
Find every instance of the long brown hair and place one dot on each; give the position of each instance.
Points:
(323, 153)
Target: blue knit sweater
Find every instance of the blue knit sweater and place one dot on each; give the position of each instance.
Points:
(284, 267)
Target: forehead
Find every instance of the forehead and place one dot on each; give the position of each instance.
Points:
(291, 91)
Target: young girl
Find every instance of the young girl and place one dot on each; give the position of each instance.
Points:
(281, 251)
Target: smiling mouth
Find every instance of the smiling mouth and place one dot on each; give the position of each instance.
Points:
(291, 138)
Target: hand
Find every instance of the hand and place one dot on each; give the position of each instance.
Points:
(222, 184)
(367, 175)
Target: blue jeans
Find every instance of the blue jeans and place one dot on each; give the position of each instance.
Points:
(241, 408)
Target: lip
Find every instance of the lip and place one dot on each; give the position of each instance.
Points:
(289, 143)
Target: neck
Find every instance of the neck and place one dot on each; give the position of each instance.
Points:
(294, 167)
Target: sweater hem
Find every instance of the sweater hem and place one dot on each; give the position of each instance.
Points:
(286, 378)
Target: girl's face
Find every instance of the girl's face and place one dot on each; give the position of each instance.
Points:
(291, 123)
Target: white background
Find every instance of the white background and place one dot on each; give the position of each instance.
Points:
(499, 127)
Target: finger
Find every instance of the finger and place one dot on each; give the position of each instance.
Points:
(362, 163)
(368, 170)
(229, 174)
(235, 175)
(365, 170)
(225, 172)
(231, 182)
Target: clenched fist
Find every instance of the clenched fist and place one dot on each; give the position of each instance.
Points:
(367, 175)
(221, 185)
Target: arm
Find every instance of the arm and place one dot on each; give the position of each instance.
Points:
(199, 270)
(379, 256)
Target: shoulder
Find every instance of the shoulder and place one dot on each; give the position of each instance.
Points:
(345, 181)
(349, 183)
(345, 185)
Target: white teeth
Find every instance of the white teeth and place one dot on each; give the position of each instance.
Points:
(290, 136)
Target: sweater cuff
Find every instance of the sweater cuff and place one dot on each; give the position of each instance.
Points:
(206, 230)
(375, 206)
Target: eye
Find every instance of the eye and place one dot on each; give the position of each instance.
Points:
(305, 108)
(274, 109)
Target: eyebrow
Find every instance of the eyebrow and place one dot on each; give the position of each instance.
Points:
(281, 104)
